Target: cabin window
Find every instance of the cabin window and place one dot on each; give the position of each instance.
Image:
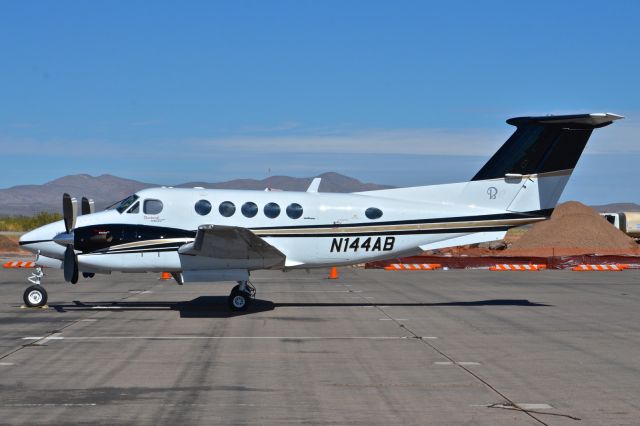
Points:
(373, 213)
(249, 209)
(227, 208)
(272, 210)
(294, 211)
(203, 207)
(135, 208)
(152, 206)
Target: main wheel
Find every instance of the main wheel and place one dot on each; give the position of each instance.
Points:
(239, 300)
(35, 296)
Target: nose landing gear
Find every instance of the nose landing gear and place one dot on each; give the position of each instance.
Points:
(241, 296)
(35, 296)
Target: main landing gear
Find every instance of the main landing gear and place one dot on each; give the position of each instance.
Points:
(35, 296)
(241, 296)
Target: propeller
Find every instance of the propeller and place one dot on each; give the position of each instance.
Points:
(87, 206)
(67, 238)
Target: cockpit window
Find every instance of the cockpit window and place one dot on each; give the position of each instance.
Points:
(135, 208)
(124, 204)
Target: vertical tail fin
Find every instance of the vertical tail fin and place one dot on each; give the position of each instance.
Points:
(544, 144)
(539, 158)
(527, 174)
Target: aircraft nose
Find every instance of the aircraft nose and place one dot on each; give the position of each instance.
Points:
(28, 237)
(40, 239)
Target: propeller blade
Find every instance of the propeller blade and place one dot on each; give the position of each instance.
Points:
(88, 206)
(69, 212)
(70, 265)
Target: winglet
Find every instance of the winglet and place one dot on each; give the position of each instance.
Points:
(315, 184)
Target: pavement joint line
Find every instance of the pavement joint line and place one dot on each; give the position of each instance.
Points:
(311, 291)
(44, 338)
(456, 363)
(79, 338)
(52, 404)
(530, 408)
(6, 364)
(463, 367)
(484, 381)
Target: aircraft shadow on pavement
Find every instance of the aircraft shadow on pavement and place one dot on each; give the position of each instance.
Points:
(216, 306)
(200, 307)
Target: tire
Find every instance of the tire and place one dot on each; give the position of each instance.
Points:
(35, 296)
(239, 300)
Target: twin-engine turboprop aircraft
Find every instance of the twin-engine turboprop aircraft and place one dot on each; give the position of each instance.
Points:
(203, 235)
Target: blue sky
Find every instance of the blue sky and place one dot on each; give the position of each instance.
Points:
(395, 92)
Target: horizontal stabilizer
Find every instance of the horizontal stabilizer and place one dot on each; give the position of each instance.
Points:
(594, 120)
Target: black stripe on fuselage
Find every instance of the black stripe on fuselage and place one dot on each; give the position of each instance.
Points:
(501, 216)
(106, 237)
(23, 243)
(165, 248)
(399, 232)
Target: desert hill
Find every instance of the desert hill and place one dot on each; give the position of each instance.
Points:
(107, 189)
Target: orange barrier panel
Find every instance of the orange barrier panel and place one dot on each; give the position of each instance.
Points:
(333, 273)
(413, 266)
(615, 268)
(507, 267)
(19, 264)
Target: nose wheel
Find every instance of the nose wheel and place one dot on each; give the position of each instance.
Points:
(35, 296)
(241, 296)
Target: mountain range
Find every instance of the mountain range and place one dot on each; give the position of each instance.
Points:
(107, 189)
(617, 207)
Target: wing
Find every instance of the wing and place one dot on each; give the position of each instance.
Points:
(232, 243)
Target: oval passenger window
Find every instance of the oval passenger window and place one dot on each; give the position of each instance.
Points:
(203, 207)
(373, 213)
(294, 211)
(249, 209)
(272, 210)
(152, 206)
(227, 208)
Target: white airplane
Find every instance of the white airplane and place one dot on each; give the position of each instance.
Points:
(202, 235)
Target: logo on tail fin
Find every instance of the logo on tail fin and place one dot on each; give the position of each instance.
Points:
(492, 191)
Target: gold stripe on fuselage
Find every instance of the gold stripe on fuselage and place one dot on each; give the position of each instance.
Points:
(404, 228)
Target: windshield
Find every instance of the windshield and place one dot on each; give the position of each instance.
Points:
(123, 205)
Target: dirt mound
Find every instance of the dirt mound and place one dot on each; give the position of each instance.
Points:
(573, 229)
